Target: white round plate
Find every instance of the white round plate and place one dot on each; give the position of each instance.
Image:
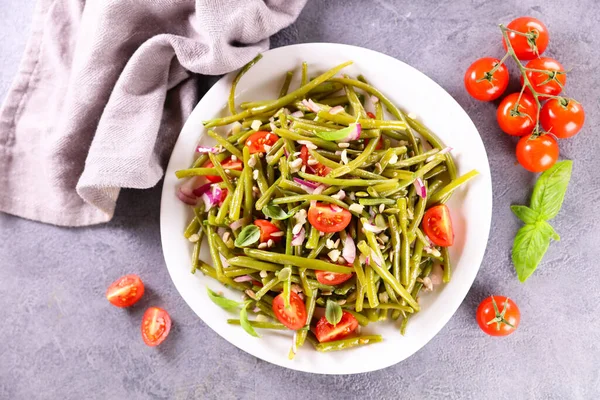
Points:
(471, 207)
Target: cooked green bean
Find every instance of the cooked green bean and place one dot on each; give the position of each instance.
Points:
(296, 261)
(451, 187)
(286, 84)
(245, 68)
(348, 343)
(447, 266)
(259, 324)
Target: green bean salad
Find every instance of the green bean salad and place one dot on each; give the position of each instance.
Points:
(323, 212)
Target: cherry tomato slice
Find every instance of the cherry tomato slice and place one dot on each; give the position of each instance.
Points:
(332, 278)
(325, 332)
(520, 43)
(563, 118)
(539, 80)
(437, 225)
(266, 229)
(236, 165)
(328, 218)
(125, 291)
(156, 324)
(294, 317)
(537, 154)
(257, 141)
(318, 168)
(517, 123)
(486, 313)
(483, 86)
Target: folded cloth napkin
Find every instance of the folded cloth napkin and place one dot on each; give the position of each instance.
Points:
(103, 91)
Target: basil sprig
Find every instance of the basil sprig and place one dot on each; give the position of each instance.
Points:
(533, 239)
(333, 312)
(248, 236)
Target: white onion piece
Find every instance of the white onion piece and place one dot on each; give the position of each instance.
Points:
(297, 114)
(205, 150)
(243, 278)
(236, 224)
(336, 110)
(372, 228)
(299, 238)
(436, 274)
(349, 252)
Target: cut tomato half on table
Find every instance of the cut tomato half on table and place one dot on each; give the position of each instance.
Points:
(437, 225)
(125, 291)
(266, 229)
(257, 141)
(326, 332)
(236, 165)
(156, 324)
(332, 278)
(294, 317)
(328, 217)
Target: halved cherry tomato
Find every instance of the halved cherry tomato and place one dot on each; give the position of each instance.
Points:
(537, 154)
(257, 141)
(156, 324)
(546, 83)
(319, 169)
(328, 218)
(325, 332)
(125, 291)
(332, 278)
(266, 229)
(482, 85)
(501, 323)
(437, 225)
(294, 317)
(236, 165)
(522, 121)
(563, 118)
(523, 47)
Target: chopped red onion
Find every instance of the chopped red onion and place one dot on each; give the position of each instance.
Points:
(445, 150)
(188, 186)
(349, 252)
(420, 186)
(243, 278)
(376, 258)
(297, 114)
(204, 150)
(302, 182)
(200, 190)
(336, 110)
(299, 238)
(318, 190)
(372, 228)
(335, 207)
(186, 199)
(311, 105)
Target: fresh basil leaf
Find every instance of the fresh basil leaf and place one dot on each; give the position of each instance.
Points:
(248, 236)
(352, 132)
(333, 312)
(223, 302)
(529, 247)
(525, 214)
(273, 211)
(548, 230)
(550, 188)
(245, 323)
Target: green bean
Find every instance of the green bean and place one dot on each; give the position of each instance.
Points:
(313, 238)
(224, 209)
(235, 209)
(266, 287)
(394, 306)
(347, 343)
(451, 187)
(266, 196)
(405, 243)
(415, 262)
(435, 141)
(376, 202)
(196, 253)
(249, 262)
(427, 167)
(304, 79)
(447, 266)
(222, 247)
(357, 108)
(435, 172)
(361, 173)
(281, 102)
(260, 324)
(237, 78)
(185, 173)
(304, 197)
(296, 261)
(343, 182)
(232, 272)
(326, 88)
(372, 314)
(360, 318)
(356, 163)
(214, 253)
(418, 212)
(248, 195)
(297, 137)
(317, 250)
(192, 228)
(217, 165)
(276, 157)
(210, 271)
(360, 285)
(311, 302)
(225, 143)
(370, 286)
(396, 244)
(364, 123)
(286, 84)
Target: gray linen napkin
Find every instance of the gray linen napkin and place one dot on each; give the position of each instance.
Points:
(103, 90)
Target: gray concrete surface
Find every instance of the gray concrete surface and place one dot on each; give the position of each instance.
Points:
(59, 339)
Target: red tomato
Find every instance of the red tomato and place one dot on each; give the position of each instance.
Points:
(236, 165)
(501, 323)
(333, 278)
(370, 115)
(537, 154)
(482, 85)
(437, 225)
(539, 80)
(563, 118)
(257, 141)
(328, 218)
(125, 291)
(318, 168)
(294, 317)
(524, 48)
(156, 324)
(325, 332)
(266, 229)
(517, 123)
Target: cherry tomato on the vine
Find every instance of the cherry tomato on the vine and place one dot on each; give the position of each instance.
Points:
(483, 85)
(517, 121)
(548, 77)
(562, 117)
(498, 316)
(537, 154)
(527, 47)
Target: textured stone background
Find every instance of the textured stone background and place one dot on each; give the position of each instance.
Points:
(60, 339)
